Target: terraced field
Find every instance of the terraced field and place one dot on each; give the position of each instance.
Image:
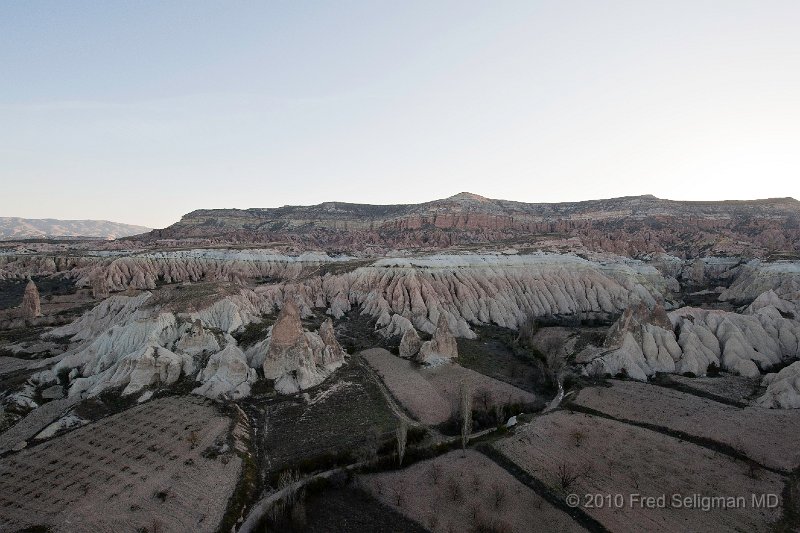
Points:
(166, 458)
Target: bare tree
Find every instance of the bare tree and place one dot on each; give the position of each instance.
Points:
(567, 475)
(402, 437)
(435, 473)
(484, 399)
(527, 330)
(498, 495)
(466, 413)
(369, 447)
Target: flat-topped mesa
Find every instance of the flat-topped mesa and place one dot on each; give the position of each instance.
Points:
(631, 225)
(297, 359)
(31, 304)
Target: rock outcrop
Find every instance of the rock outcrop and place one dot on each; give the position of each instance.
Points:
(227, 375)
(297, 359)
(197, 340)
(468, 288)
(31, 305)
(783, 389)
(100, 287)
(644, 342)
(442, 345)
(410, 343)
(641, 343)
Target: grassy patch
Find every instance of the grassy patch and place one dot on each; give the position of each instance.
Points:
(308, 437)
(11, 290)
(356, 332)
(497, 354)
(254, 331)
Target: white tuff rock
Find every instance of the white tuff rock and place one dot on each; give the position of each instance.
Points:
(783, 389)
(226, 375)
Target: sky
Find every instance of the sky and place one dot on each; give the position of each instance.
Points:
(140, 112)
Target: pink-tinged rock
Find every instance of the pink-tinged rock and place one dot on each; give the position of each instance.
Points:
(441, 346)
(31, 305)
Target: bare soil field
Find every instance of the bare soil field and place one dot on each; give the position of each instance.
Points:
(768, 436)
(159, 466)
(409, 386)
(725, 387)
(583, 454)
(343, 413)
(432, 394)
(464, 492)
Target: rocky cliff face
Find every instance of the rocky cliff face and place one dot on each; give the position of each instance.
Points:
(627, 226)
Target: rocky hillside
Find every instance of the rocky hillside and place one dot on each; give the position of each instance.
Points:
(630, 226)
(41, 228)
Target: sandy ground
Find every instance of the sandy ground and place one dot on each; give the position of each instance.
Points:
(616, 458)
(769, 436)
(136, 469)
(432, 394)
(458, 492)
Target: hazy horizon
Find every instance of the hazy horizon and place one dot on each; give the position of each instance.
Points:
(140, 113)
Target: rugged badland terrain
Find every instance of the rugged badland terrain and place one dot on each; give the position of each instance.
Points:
(463, 364)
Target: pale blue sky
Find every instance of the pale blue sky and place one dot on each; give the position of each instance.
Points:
(141, 111)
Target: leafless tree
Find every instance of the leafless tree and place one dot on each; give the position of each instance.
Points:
(466, 413)
(498, 496)
(435, 473)
(567, 475)
(402, 437)
(527, 330)
(369, 447)
(484, 399)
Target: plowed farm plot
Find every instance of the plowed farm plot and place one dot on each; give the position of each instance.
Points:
(580, 454)
(768, 436)
(466, 492)
(147, 467)
(431, 395)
